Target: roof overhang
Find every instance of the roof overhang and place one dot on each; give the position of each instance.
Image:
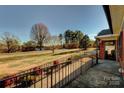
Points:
(108, 16)
(115, 16)
(109, 37)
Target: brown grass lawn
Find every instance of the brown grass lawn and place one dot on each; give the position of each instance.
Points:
(15, 62)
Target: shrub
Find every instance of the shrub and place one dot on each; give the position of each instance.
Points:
(71, 46)
(29, 46)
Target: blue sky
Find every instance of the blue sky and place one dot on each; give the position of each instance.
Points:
(18, 20)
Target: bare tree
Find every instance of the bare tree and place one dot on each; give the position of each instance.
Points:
(61, 39)
(1, 46)
(53, 41)
(40, 34)
(10, 42)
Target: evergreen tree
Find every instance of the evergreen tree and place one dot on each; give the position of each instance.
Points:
(85, 41)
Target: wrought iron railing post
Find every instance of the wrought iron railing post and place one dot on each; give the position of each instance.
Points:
(92, 61)
(73, 70)
(16, 81)
(59, 73)
(65, 73)
(41, 77)
(80, 67)
(55, 75)
(47, 76)
(26, 84)
(62, 75)
(68, 72)
(34, 80)
(51, 76)
(69, 64)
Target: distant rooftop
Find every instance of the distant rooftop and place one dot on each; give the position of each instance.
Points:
(104, 32)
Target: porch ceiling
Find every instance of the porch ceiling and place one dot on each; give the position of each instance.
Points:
(108, 37)
(117, 15)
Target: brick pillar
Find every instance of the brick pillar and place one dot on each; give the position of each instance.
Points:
(122, 49)
(121, 52)
(102, 50)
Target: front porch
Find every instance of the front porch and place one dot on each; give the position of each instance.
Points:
(104, 75)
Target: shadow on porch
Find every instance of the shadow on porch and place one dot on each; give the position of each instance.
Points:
(103, 75)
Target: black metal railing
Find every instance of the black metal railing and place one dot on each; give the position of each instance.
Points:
(54, 74)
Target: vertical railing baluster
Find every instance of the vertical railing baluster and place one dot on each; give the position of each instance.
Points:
(62, 74)
(68, 72)
(71, 67)
(30, 73)
(16, 81)
(41, 77)
(92, 62)
(96, 56)
(76, 62)
(59, 74)
(65, 73)
(47, 77)
(34, 80)
(81, 66)
(26, 79)
(75, 69)
(72, 70)
(55, 75)
(51, 76)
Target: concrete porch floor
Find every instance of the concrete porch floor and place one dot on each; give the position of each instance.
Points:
(103, 75)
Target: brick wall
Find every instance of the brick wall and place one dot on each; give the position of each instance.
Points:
(121, 49)
(102, 50)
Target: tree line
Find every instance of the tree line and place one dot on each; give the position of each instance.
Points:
(40, 39)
